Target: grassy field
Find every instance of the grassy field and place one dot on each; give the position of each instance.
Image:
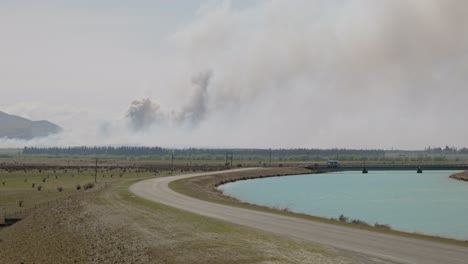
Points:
(112, 225)
(21, 190)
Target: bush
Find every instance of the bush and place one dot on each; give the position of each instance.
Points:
(78, 187)
(33, 185)
(3, 182)
(43, 179)
(60, 188)
(39, 188)
(20, 203)
(88, 186)
(382, 226)
(343, 219)
(359, 222)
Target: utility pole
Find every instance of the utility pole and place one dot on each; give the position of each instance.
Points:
(95, 171)
(229, 157)
(270, 157)
(172, 162)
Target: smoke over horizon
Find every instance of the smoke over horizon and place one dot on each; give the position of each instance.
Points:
(354, 74)
(142, 114)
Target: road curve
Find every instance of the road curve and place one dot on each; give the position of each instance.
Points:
(394, 248)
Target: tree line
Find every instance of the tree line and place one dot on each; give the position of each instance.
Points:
(159, 151)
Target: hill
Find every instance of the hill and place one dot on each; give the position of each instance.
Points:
(17, 127)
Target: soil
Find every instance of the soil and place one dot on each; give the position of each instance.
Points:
(462, 176)
(71, 231)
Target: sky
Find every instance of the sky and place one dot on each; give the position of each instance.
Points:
(250, 74)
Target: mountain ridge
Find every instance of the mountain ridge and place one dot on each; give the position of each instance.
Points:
(17, 127)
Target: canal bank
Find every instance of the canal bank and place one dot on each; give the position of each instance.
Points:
(429, 203)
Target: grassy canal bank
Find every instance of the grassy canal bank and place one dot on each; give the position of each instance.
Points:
(204, 188)
(462, 176)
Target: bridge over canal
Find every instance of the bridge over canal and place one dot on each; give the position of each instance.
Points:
(396, 167)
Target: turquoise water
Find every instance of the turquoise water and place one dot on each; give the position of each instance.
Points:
(428, 203)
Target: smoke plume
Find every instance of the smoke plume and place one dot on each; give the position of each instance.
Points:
(303, 73)
(143, 114)
(196, 109)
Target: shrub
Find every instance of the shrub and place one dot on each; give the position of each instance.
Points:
(78, 187)
(3, 182)
(382, 226)
(43, 179)
(88, 186)
(33, 185)
(343, 219)
(359, 222)
(20, 203)
(39, 188)
(60, 188)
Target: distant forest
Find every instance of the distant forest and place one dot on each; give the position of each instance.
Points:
(148, 151)
(246, 154)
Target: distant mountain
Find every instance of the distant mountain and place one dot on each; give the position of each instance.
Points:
(16, 127)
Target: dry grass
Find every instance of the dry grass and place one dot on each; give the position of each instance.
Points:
(38, 187)
(463, 176)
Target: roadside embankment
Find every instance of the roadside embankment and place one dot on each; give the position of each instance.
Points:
(204, 187)
(462, 176)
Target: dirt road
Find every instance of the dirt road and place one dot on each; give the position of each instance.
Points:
(399, 249)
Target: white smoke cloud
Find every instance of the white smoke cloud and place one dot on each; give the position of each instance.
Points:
(310, 73)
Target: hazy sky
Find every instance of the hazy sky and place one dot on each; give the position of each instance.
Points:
(305, 73)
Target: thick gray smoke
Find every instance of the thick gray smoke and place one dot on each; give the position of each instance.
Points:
(336, 73)
(142, 114)
(196, 109)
